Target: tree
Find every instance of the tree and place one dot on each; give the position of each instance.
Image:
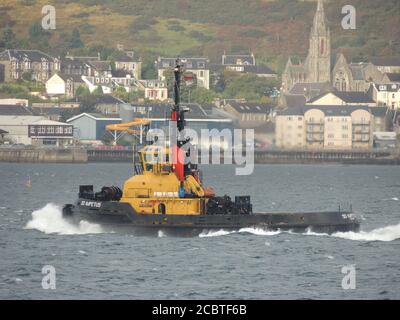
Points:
(98, 91)
(88, 104)
(249, 87)
(82, 91)
(202, 96)
(38, 37)
(27, 75)
(76, 41)
(8, 39)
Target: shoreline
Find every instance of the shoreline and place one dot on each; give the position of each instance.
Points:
(308, 157)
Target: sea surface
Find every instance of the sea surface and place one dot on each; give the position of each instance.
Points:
(90, 263)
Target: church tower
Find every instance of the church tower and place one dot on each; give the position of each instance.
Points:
(318, 63)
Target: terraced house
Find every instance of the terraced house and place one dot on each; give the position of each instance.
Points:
(33, 64)
(197, 68)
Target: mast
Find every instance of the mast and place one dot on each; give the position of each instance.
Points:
(178, 121)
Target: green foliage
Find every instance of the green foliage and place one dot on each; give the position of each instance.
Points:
(176, 28)
(7, 38)
(87, 28)
(76, 41)
(66, 114)
(132, 96)
(253, 33)
(88, 103)
(21, 90)
(142, 23)
(80, 15)
(36, 32)
(202, 96)
(82, 91)
(27, 76)
(249, 87)
(199, 36)
(98, 91)
(28, 2)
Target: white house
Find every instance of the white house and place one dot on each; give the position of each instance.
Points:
(386, 95)
(63, 85)
(154, 89)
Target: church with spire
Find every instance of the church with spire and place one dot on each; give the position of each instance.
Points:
(317, 66)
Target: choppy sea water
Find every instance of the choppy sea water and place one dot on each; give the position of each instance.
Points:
(250, 264)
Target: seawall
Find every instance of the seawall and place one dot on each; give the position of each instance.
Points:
(43, 155)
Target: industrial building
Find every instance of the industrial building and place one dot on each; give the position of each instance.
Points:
(91, 126)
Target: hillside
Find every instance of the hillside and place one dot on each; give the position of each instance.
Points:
(272, 29)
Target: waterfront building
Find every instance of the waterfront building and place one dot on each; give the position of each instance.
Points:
(325, 127)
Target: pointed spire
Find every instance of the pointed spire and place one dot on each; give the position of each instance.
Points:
(320, 5)
(320, 24)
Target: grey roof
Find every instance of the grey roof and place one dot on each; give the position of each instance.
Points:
(3, 131)
(295, 100)
(386, 61)
(295, 111)
(303, 88)
(188, 63)
(259, 70)
(354, 96)
(234, 59)
(394, 77)
(120, 73)
(327, 110)
(357, 71)
(379, 111)
(163, 111)
(68, 62)
(14, 110)
(32, 55)
(74, 77)
(125, 58)
(95, 116)
(244, 107)
(100, 65)
(108, 99)
(348, 97)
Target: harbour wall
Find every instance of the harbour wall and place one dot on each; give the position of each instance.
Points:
(80, 155)
(43, 155)
(277, 157)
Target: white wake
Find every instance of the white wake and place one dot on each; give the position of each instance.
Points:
(254, 231)
(389, 233)
(385, 234)
(49, 220)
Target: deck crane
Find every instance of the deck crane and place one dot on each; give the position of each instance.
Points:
(118, 130)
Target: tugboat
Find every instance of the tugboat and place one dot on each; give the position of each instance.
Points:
(168, 195)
